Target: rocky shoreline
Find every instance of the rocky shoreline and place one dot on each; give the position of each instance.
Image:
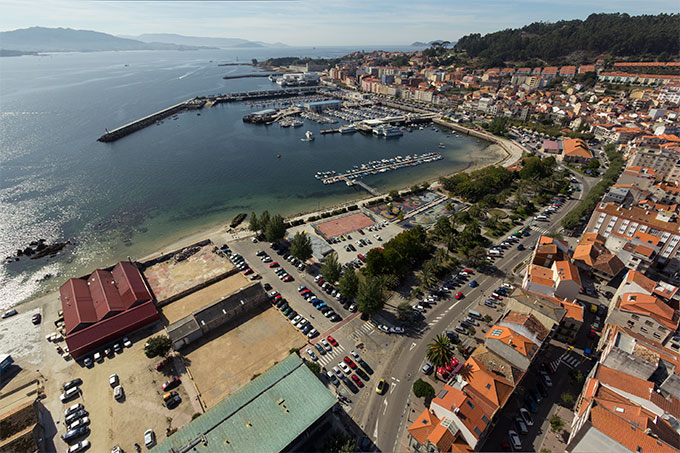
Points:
(38, 249)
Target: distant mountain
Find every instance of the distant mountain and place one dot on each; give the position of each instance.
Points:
(418, 44)
(172, 38)
(40, 39)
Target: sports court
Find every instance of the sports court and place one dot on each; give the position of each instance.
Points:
(405, 204)
(343, 225)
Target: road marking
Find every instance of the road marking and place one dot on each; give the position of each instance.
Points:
(413, 345)
(384, 410)
(375, 431)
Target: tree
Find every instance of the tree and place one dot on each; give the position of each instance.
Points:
(339, 443)
(422, 389)
(476, 255)
(426, 278)
(404, 311)
(301, 246)
(264, 220)
(315, 367)
(331, 268)
(440, 351)
(370, 298)
(556, 423)
(576, 376)
(394, 194)
(349, 283)
(567, 399)
(156, 346)
(275, 229)
(254, 222)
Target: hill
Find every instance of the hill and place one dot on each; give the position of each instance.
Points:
(201, 41)
(620, 35)
(40, 39)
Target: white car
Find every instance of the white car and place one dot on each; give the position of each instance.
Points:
(526, 416)
(546, 379)
(354, 355)
(78, 423)
(337, 372)
(296, 319)
(149, 438)
(325, 344)
(126, 342)
(74, 408)
(118, 392)
(311, 354)
(302, 323)
(70, 393)
(343, 366)
(113, 380)
(80, 446)
(514, 440)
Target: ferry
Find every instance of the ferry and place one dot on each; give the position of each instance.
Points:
(392, 132)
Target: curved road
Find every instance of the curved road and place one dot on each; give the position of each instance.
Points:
(385, 417)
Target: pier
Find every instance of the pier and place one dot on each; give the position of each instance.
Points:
(368, 188)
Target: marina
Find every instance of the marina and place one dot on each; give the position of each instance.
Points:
(375, 167)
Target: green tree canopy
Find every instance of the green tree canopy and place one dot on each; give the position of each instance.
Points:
(331, 268)
(349, 283)
(301, 246)
(440, 351)
(275, 229)
(371, 296)
(422, 389)
(158, 345)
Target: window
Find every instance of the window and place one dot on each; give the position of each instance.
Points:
(649, 323)
(643, 329)
(477, 431)
(469, 403)
(496, 332)
(485, 420)
(635, 316)
(657, 336)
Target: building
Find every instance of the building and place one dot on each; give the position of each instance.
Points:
(233, 308)
(22, 415)
(552, 146)
(592, 255)
(104, 307)
(662, 160)
(551, 273)
(277, 411)
(576, 151)
(320, 106)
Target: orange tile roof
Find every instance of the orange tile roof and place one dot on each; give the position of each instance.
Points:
(647, 305)
(540, 275)
(511, 338)
(442, 437)
(609, 264)
(592, 237)
(423, 426)
(574, 311)
(576, 147)
(626, 433)
(641, 280)
(565, 270)
(585, 253)
(624, 382)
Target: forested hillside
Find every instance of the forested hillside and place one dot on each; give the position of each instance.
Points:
(620, 35)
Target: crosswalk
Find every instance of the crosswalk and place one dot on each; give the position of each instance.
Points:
(365, 329)
(539, 229)
(331, 357)
(570, 360)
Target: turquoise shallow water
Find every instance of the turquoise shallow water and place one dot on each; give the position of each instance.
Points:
(132, 196)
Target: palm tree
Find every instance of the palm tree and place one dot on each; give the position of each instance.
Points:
(476, 255)
(426, 277)
(440, 351)
(441, 256)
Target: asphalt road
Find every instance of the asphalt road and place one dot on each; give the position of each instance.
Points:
(385, 417)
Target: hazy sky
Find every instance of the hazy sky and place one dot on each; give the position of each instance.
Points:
(318, 23)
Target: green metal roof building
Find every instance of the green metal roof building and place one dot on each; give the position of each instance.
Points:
(265, 415)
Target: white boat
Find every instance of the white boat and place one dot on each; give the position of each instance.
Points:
(392, 132)
(347, 129)
(297, 123)
(309, 136)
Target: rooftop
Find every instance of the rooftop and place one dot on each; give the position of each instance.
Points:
(265, 415)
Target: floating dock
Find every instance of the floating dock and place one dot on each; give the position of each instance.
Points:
(375, 167)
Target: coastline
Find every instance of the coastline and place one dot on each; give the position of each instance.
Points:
(506, 155)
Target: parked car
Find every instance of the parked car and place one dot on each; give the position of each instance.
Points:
(35, 319)
(9, 313)
(113, 380)
(75, 416)
(173, 402)
(69, 394)
(311, 354)
(73, 409)
(514, 440)
(149, 438)
(74, 434)
(72, 383)
(79, 423)
(172, 383)
(526, 416)
(80, 446)
(427, 368)
(118, 392)
(521, 426)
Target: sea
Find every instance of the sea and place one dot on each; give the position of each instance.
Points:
(136, 195)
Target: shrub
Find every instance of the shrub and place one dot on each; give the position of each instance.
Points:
(422, 389)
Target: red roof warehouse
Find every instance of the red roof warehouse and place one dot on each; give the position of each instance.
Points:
(104, 307)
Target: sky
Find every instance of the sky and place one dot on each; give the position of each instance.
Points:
(312, 23)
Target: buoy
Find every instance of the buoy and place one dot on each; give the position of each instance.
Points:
(278, 156)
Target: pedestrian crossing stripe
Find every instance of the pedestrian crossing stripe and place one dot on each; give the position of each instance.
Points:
(330, 356)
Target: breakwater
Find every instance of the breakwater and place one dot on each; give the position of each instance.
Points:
(246, 76)
(199, 102)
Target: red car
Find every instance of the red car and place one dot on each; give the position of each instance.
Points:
(459, 295)
(349, 362)
(277, 297)
(172, 383)
(361, 257)
(274, 264)
(320, 282)
(247, 271)
(305, 291)
(331, 340)
(469, 271)
(357, 381)
(287, 278)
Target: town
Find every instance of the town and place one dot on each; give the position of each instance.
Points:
(531, 305)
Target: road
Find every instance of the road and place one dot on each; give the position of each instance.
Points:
(385, 417)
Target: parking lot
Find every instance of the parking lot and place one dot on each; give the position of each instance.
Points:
(121, 422)
(224, 361)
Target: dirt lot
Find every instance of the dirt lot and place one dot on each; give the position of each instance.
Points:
(170, 277)
(121, 423)
(182, 307)
(223, 364)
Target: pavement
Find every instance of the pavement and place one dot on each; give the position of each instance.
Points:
(385, 418)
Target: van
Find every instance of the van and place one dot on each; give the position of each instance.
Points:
(494, 252)
(541, 217)
(475, 314)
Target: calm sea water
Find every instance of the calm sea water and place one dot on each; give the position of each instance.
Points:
(133, 196)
